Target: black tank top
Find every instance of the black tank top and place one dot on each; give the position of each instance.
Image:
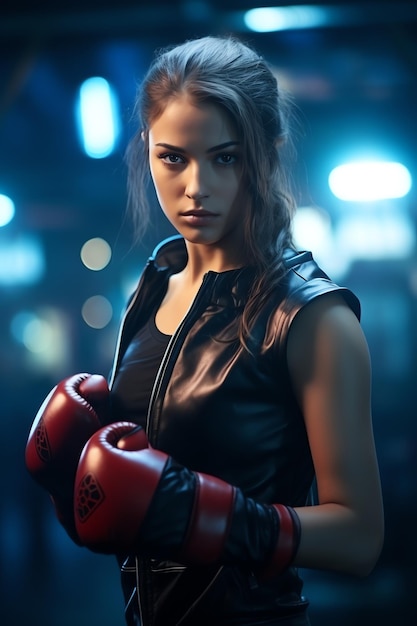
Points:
(133, 384)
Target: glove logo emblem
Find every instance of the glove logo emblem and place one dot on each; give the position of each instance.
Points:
(42, 443)
(89, 496)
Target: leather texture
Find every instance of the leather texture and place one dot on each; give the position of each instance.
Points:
(220, 410)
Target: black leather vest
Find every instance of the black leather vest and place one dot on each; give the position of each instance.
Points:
(219, 409)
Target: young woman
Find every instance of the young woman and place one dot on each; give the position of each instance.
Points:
(244, 364)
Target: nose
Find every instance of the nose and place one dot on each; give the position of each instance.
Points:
(196, 187)
(198, 195)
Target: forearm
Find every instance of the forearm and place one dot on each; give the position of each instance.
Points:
(334, 537)
(160, 508)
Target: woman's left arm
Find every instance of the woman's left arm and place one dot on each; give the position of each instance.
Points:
(330, 368)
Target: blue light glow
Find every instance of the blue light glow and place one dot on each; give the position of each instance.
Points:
(98, 117)
(22, 260)
(269, 19)
(368, 181)
(45, 334)
(376, 237)
(6, 210)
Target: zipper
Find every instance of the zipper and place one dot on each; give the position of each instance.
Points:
(161, 379)
(157, 390)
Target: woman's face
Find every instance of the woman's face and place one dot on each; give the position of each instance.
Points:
(196, 164)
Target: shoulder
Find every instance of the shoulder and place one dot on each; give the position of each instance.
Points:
(304, 291)
(305, 280)
(326, 341)
(327, 314)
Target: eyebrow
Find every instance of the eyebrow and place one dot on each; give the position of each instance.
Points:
(221, 146)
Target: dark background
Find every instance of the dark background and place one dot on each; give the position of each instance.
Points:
(353, 81)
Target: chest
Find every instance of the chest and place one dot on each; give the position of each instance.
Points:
(225, 412)
(175, 305)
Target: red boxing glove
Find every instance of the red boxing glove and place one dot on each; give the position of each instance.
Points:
(130, 497)
(68, 417)
(111, 470)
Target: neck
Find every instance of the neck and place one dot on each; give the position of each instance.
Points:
(205, 258)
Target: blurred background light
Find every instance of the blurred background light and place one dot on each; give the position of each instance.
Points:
(351, 79)
(22, 260)
(368, 181)
(268, 19)
(7, 210)
(382, 235)
(20, 322)
(44, 333)
(98, 117)
(96, 254)
(313, 230)
(97, 311)
(311, 227)
(38, 335)
(376, 237)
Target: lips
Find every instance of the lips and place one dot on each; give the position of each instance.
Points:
(198, 213)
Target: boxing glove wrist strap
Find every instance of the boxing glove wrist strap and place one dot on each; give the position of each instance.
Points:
(287, 541)
(210, 520)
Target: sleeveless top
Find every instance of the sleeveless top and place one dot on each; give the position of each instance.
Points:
(138, 369)
(219, 409)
